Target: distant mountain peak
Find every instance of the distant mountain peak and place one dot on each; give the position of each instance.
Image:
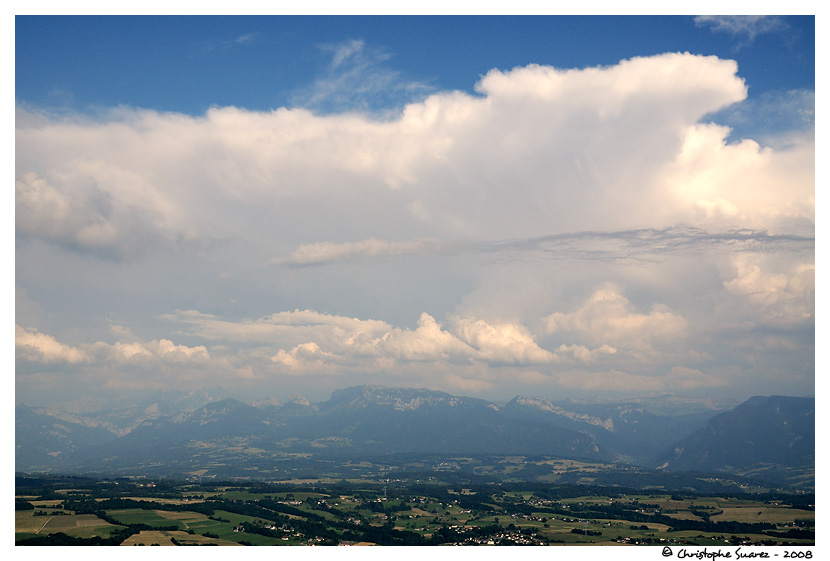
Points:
(399, 399)
(298, 399)
(216, 410)
(547, 406)
(536, 402)
(266, 402)
(775, 434)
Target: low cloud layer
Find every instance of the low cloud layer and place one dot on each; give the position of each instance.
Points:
(561, 230)
(327, 252)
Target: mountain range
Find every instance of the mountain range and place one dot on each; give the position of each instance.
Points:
(769, 437)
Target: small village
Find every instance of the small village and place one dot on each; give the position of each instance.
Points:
(361, 513)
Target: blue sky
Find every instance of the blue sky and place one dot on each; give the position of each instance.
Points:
(552, 206)
(188, 64)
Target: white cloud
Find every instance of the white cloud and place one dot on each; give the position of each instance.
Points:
(502, 343)
(580, 353)
(608, 318)
(780, 298)
(310, 336)
(92, 367)
(43, 211)
(181, 354)
(290, 328)
(748, 26)
(513, 200)
(126, 352)
(721, 185)
(34, 346)
(306, 358)
(541, 151)
(427, 342)
(357, 79)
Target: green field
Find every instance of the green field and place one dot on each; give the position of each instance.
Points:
(78, 525)
(386, 514)
(149, 517)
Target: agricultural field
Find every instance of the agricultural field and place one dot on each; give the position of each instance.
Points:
(390, 512)
(77, 525)
(154, 537)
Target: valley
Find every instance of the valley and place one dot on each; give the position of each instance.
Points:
(397, 511)
(401, 466)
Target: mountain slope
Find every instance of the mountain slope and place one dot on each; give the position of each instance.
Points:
(765, 436)
(364, 421)
(769, 437)
(166, 439)
(400, 420)
(122, 415)
(42, 440)
(629, 431)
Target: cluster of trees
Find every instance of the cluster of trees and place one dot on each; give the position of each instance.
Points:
(22, 504)
(332, 524)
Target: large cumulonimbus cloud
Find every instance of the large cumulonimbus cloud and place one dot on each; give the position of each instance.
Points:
(541, 151)
(557, 228)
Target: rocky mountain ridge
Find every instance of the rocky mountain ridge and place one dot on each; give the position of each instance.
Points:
(370, 421)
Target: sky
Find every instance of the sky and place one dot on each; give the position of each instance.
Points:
(588, 207)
